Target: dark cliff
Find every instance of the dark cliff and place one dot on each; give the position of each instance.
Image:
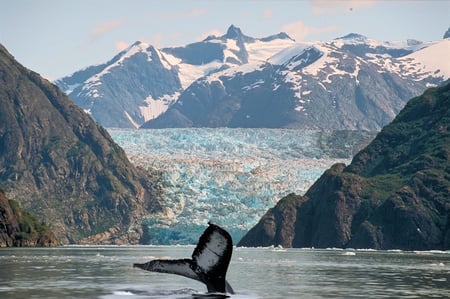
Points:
(19, 228)
(394, 194)
(63, 167)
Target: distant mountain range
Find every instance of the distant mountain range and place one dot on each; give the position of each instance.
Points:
(234, 80)
(394, 194)
(142, 82)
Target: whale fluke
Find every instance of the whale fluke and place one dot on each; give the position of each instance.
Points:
(209, 263)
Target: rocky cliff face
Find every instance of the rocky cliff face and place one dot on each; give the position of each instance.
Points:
(394, 194)
(277, 226)
(59, 164)
(21, 229)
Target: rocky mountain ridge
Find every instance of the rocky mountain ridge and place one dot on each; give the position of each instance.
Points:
(64, 168)
(141, 82)
(447, 33)
(235, 80)
(394, 194)
(349, 83)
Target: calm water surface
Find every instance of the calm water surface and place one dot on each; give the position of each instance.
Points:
(106, 272)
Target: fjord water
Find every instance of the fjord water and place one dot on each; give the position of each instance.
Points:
(106, 272)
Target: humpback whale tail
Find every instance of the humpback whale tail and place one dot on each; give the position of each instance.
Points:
(209, 263)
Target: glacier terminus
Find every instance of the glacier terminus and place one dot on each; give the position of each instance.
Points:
(229, 176)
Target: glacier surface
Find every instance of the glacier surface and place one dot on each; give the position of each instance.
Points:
(229, 176)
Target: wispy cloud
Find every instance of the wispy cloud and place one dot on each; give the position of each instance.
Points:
(104, 28)
(299, 31)
(267, 14)
(339, 6)
(121, 45)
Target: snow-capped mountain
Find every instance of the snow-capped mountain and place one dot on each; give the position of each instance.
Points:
(141, 82)
(234, 80)
(348, 83)
(136, 85)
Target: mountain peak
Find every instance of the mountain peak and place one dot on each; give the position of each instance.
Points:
(281, 35)
(233, 32)
(447, 33)
(353, 36)
(139, 45)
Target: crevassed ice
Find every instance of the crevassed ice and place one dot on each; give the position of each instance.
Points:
(228, 176)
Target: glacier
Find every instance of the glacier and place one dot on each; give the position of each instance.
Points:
(229, 176)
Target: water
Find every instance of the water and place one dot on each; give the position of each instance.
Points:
(106, 272)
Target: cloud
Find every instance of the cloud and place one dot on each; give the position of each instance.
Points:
(338, 6)
(103, 28)
(299, 31)
(267, 14)
(121, 45)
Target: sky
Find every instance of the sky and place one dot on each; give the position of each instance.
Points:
(58, 37)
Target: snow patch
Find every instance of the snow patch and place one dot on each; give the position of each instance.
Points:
(325, 60)
(432, 60)
(188, 73)
(156, 107)
(71, 88)
(233, 71)
(254, 85)
(135, 124)
(261, 51)
(295, 79)
(285, 55)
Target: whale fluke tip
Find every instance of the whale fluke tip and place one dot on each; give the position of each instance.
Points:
(141, 266)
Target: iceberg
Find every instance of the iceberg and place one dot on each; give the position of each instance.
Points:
(229, 176)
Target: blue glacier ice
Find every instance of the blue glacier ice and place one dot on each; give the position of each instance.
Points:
(229, 176)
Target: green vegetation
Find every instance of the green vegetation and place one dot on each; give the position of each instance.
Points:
(77, 150)
(288, 201)
(29, 225)
(380, 187)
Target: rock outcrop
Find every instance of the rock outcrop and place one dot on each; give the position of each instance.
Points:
(63, 167)
(447, 33)
(19, 228)
(394, 194)
(277, 226)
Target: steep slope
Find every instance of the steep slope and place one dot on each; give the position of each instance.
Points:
(136, 85)
(349, 83)
(447, 33)
(59, 164)
(21, 229)
(394, 194)
(141, 82)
